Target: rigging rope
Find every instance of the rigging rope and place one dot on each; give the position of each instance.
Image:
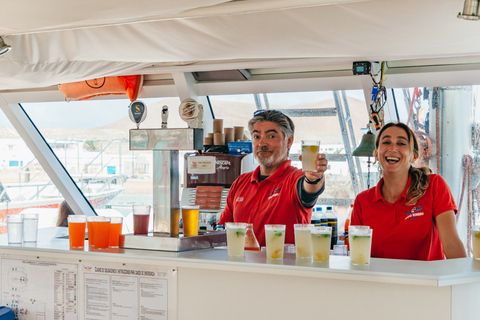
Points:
(416, 94)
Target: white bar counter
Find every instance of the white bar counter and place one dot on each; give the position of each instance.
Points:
(207, 284)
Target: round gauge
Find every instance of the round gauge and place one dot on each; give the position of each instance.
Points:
(188, 109)
(137, 112)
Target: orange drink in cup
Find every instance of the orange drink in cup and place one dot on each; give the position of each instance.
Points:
(116, 224)
(76, 230)
(190, 217)
(91, 238)
(101, 229)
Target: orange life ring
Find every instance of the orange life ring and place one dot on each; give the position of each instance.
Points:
(82, 90)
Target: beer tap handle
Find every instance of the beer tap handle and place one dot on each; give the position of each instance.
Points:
(200, 116)
(164, 116)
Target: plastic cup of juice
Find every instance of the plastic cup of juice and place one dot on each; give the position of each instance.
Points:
(275, 240)
(476, 242)
(116, 224)
(236, 238)
(360, 244)
(321, 239)
(91, 237)
(101, 229)
(303, 240)
(310, 149)
(76, 230)
(141, 219)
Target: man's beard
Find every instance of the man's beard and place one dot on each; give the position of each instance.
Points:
(269, 161)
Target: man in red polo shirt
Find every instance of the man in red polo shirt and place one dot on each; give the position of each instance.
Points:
(276, 192)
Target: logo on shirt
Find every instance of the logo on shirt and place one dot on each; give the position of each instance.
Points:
(239, 199)
(414, 214)
(274, 193)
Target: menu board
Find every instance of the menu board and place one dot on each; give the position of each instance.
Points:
(40, 289)
(120, 292)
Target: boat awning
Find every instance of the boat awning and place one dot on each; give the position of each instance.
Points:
(55, 42)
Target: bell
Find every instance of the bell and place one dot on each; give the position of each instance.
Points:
(366, 147)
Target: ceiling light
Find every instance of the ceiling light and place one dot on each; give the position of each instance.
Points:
(470, 10)
(4, 48)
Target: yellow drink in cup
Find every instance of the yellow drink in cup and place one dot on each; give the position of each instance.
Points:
(476, 242)
(321, 239)
(275, 240)
(310, 149)
(190, 217)
(235, 238)
(360, 238)
(303, 240)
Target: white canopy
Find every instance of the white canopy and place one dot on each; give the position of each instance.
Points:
(57, 41)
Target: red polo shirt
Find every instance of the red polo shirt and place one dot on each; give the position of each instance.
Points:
(273, 201)
(401, 231)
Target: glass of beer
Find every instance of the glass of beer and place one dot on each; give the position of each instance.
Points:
(141, 219)
(190, 217)
(310, 149)
(76, 230)
(360, 238)
(476, 242)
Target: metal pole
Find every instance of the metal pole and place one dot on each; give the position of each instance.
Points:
(348, 120)
(455, 131)
(348, 149)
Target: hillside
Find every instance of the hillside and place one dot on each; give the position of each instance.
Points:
(327, 129)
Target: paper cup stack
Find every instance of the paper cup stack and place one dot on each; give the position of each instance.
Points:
(218, 135)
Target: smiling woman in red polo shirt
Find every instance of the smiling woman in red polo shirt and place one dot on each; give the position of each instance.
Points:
(411, 210)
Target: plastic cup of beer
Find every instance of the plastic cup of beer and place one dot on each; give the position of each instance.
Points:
(101, 229)
(310, 149)
(190, 217)
(321, 240)
(236, 238)
(15, 228)
(76, 230)
(360, 238)
(116, 224)
(141, 218)
(174, 221)
(303, 240)
(275, 240)
(476, 242)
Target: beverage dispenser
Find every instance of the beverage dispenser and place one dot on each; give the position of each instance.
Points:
(165, 143)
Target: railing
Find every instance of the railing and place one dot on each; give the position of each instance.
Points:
(32, 187)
